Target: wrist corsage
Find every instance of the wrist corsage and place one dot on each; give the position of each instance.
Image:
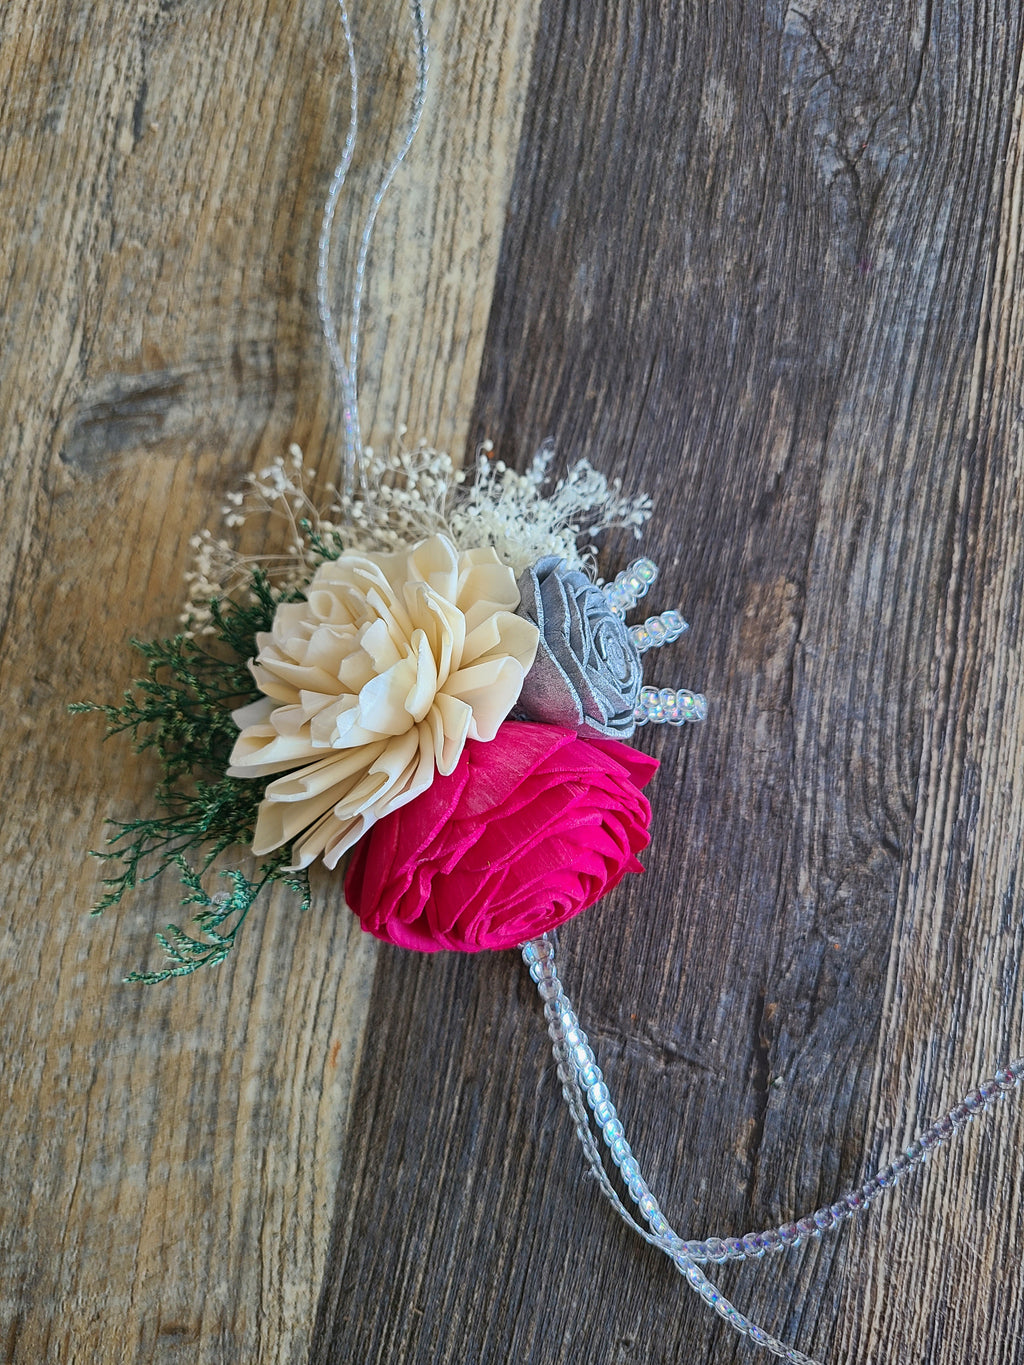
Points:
(442, 690)
(431, 693)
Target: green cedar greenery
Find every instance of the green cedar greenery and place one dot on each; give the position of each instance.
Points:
(180, 710)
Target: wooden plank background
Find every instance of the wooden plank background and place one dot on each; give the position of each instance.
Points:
(763, 261)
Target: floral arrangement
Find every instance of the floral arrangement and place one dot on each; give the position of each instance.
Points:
(431, 679)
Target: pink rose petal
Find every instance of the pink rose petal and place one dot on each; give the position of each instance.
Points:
(528, 830)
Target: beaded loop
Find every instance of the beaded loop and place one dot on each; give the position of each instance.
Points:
(668, 706)
(578, 1058)
(627, 588)
(658, 630)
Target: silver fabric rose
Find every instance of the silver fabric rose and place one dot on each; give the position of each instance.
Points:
(587, 672)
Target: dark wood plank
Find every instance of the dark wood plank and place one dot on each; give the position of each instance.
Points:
(762, 261)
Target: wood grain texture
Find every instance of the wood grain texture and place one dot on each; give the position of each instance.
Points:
(764, 262)
(171, 1156)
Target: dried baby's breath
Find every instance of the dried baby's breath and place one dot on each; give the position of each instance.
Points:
(408, 495)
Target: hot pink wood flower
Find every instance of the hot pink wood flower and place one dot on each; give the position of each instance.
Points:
(526, 832)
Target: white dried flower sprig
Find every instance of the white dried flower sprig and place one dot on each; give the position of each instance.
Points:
(416, 493)
(511, 512)
(219, 570)
(410, 493)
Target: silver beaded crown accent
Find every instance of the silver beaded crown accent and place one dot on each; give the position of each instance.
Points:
(655, 705)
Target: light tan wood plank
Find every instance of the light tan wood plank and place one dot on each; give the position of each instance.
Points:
(171, 1153)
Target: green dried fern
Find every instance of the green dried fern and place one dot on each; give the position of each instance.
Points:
(180, 710)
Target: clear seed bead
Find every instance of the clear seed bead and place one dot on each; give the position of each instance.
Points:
(613, 1130)
(753, 1245)
(659, 1223)
(629, 1168)
(674, 624)
(590, 1075)
(693, 1274)
(823, 1219)
(960, 1115)
(650, 700)
(989, 1091)
(789, 1234)
(929, 1140)
(618, 599)
(641, 637)
(771, 1241)
(657, 630)
(1005, 1080)
(698, 707)
(630, 585)
(944, 1127)
(604, 1112)
(840, 1211)
(619, 1149)
(808, 1227)
(675, 711)
(975, 1101)
(695, 1250)
(715, 1250)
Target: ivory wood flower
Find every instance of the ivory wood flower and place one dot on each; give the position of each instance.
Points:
(373, 684)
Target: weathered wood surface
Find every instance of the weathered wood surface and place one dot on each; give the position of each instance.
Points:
(171, 1156)
(761, 261)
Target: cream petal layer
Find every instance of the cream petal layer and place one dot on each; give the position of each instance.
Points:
(372, 685)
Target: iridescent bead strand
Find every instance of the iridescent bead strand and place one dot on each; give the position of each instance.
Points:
(579, 1071)
(753, 1245)
(346, 367)
(656, 631)
(627, 588)
(669, 706)
(571, 1042)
